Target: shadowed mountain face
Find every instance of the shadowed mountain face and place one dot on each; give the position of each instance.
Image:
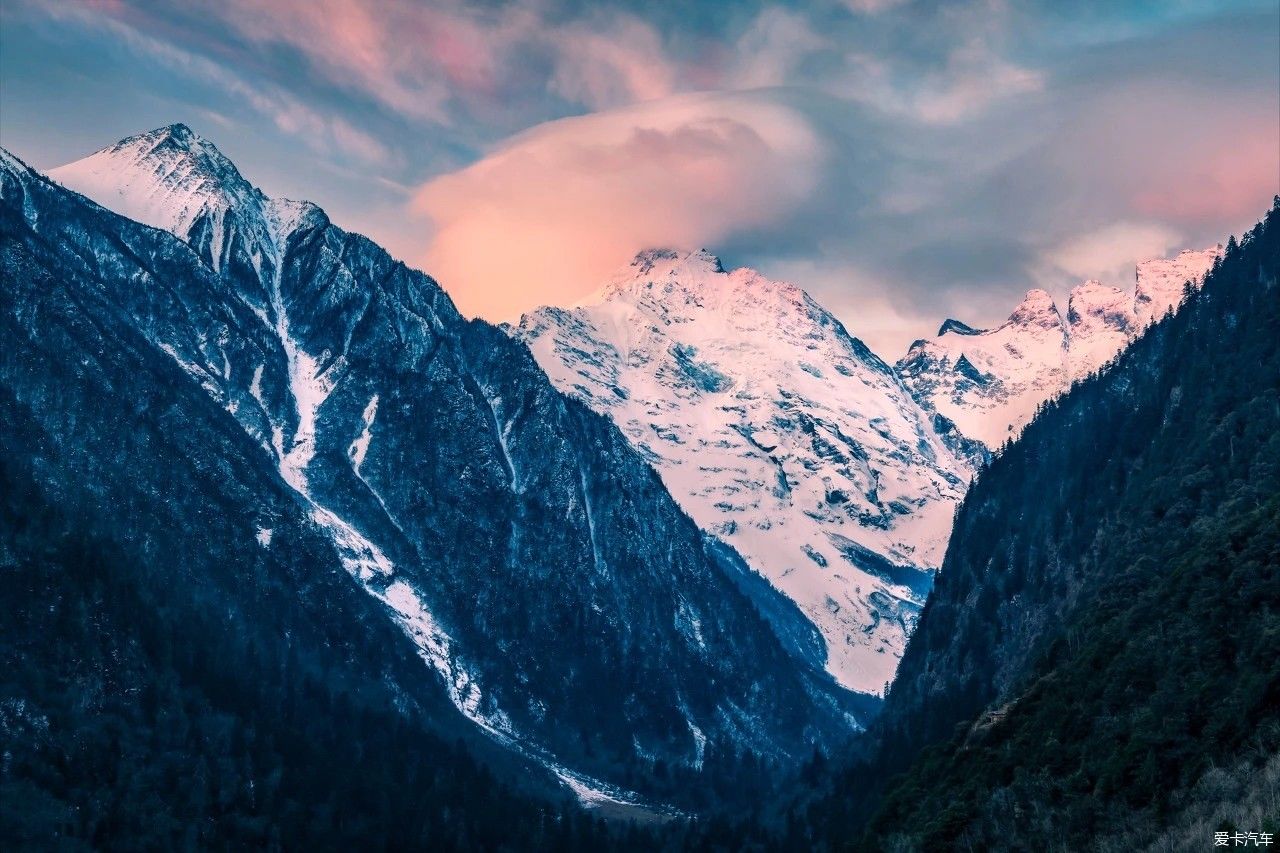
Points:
(534, 562)
(184, 660)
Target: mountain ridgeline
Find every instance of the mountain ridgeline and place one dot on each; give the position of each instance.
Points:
(294, 555)
(1097, 664)
(834, 476)
(988, 383)
(257, 400)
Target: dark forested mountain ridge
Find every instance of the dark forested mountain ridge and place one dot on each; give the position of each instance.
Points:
(1106, 627)
(506, 536)
(171, 677)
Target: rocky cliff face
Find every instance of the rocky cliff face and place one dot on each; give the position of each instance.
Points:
(526, 551)
(778, 432)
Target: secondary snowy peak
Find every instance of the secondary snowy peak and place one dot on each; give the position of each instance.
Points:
(777, 431)
(1094, 304)
(1037, 309)
(1161, 282)
(989, 383)
(1100, 323)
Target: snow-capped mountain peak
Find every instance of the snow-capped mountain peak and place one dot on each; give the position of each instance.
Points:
(1100, 323)
(660, 260)
(173, 179)
(662, 275)
(1037, 308)
(1099, 302)
(674, 286)
(990, 382)
(168, 178)
(983, 381)
(777, 431)
(1160, 282)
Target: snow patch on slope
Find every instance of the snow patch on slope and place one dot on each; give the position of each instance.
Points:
(360, 446)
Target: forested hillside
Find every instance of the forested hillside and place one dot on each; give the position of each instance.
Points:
(1106, 628)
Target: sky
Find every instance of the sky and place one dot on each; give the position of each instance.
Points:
(902, 161)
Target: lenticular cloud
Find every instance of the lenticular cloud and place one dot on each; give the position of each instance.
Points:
(548, 214)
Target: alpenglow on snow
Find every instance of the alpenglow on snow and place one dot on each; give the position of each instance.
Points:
(778, 432)
(989, 382)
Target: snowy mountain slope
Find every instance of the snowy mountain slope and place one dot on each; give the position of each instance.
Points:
(1160, 281)
(169, 181)
(777, 432)
(514, 536)
(984, 381)
(990, 382)
(1100, 323)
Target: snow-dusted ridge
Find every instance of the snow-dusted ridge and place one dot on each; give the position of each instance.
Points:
(170, 179)
(777, 432)
(989, 383)
(174, 180)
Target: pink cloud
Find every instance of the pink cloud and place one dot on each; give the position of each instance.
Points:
(1232, 181)
(358, 46)
(417, 59)
(554, 211)
(975, 77)
(321, 132)
(1203, 159)
(1108, 253)
(773, 47)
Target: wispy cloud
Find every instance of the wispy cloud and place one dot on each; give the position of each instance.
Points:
(610, 63)
(774, 48)
(324, 132)
(1108, 253)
